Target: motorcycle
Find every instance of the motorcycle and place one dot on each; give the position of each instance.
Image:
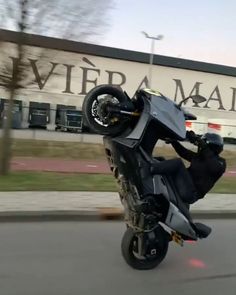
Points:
(154, 212)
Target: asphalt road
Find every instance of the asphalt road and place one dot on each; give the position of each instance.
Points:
(83, 258)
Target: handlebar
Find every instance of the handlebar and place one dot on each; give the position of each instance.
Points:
(192, 137)
(195, 139)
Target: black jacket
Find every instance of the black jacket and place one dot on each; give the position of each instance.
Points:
(205, 169)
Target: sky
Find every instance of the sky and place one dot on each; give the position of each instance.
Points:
(202, 30)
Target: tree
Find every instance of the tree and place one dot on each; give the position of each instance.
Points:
(75, 19)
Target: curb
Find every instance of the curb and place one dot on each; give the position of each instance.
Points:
(214, 214)
(99, 214)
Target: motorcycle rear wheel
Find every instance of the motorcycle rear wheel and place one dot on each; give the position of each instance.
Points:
(148, 262)
(93, 120)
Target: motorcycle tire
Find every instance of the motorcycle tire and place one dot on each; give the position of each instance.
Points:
(89, 120)
(144, 263)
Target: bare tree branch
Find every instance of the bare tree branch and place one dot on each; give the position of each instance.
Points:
(74, 19)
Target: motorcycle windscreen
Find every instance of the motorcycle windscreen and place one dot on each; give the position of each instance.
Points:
(166, 112)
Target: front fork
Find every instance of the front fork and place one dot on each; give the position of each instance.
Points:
(122, 110)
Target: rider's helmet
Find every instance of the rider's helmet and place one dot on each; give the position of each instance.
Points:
(214, 141)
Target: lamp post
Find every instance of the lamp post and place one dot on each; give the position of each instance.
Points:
(158, 37)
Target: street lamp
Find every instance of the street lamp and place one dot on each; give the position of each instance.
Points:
(158, 37)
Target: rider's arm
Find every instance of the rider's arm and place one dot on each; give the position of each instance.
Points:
(182, 151)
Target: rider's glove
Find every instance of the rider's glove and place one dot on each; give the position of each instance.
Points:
(196, 139)
(191, 136)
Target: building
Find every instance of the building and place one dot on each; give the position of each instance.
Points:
(61, 72)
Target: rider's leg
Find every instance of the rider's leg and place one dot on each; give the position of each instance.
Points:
(181, 177)
(184, 183)
(168, 166)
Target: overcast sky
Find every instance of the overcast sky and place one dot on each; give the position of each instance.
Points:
(203, 30)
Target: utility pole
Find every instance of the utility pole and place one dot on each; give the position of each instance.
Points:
(153, 39)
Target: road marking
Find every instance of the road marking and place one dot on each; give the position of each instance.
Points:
(18, 163)
(91, 166)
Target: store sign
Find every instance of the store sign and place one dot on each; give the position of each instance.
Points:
(90, 77)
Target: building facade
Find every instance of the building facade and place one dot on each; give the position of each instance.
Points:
(61, 72)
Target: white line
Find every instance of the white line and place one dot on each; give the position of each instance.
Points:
(91, 166)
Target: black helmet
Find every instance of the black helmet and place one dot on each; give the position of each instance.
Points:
(214, 141)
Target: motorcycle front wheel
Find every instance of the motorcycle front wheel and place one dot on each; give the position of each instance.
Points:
(152, 259)
(95, 116)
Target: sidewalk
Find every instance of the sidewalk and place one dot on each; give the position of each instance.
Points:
(29, 206)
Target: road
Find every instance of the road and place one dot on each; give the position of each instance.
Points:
(83, 258)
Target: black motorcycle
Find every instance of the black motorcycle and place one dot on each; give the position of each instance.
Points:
(154, 212)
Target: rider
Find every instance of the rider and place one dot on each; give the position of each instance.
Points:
(206, 165)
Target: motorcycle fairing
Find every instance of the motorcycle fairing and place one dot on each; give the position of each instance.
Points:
(168, 114)
(178, 218)
(178, 222)
(164, 111)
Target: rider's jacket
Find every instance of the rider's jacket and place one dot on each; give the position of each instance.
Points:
(205, 168)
